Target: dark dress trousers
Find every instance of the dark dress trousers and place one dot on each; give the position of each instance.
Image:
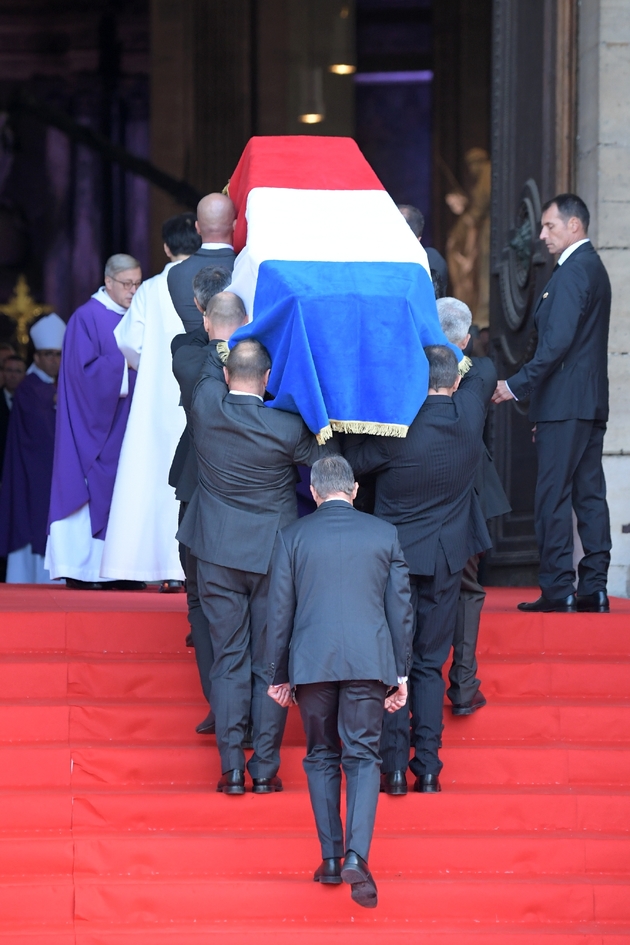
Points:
(493, 501)
(340, 630)
(193, 352)
(246, 454)
(567, 384)
(180, 283)
(424, 486)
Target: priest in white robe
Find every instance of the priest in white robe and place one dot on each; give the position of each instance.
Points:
(148, 550)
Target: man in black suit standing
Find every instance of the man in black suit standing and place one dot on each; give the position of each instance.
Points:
(340, 631)
(424, 486)
(224, 314)
(437, 263)
(567, 384)
(464, 691)
(246, 454)
(216, 217)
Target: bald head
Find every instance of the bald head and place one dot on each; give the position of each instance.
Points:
(215, 219)
(224, 314)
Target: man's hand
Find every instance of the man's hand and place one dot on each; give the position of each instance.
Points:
(397, 699)
(502, 393)
(281, 694)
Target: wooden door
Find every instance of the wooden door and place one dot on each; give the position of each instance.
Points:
(532, 147)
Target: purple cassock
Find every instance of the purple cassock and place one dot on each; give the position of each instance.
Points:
(28, 465)
(91, 416)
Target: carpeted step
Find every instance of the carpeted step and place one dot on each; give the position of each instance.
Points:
(454, 812)
(315, 934)
(291, 899)
(180, 766)
(228, 855)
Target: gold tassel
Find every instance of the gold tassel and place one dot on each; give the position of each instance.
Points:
(223, 350)
(464, 365)
(324, 434)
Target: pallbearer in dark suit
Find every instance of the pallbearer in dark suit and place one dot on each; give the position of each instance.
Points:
(424, 486)
(464, 692)
(192, 354)
(340, 631)
(566, 382)
(246, 454)
(216, 217)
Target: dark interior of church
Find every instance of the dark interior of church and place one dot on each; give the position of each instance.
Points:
(417, 103)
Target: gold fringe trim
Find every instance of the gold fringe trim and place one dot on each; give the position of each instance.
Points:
(464, 365)
(226, 189)
(223, 350)
(375, 429)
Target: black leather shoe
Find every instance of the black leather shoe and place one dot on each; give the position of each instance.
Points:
(427, 784)
(596, 603)
(189, 641)
(267, 785)
(207, 727)
(171, 587)
(467, 708)
(75, 585)
(329, 872)
(128, 585)
(355, 871)
(232, 782)
(394, 783)
(551, 605)
(248, 737)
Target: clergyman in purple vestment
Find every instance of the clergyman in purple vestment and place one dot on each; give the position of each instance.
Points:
(95, 391)
(25, 493)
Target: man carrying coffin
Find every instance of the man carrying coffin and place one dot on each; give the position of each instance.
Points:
(95, 390)
(25, 494)
(246, 454)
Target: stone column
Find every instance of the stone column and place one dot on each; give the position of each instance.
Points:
(603, 180)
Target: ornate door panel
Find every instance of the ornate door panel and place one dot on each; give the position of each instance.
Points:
(531, 104)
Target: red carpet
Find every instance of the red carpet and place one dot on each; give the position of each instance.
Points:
(111, 830)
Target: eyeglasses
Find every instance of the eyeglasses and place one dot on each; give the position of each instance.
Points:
(128, 284)
(49, 352)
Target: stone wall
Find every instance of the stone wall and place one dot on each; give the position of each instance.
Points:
(603, 180)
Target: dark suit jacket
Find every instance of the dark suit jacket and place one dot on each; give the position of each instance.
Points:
(567, 379)
(425, 481)
(488, 487)
(180, 280)
(339, 602)
(437, 262)
(246, 454)
(189, 360)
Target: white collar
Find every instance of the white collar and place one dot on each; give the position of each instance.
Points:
(46, 378)
(571, 249)
(216, 246)
(244, 393)
(105, 299)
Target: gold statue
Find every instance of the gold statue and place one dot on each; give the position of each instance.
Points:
(468, 243)
(23, 309)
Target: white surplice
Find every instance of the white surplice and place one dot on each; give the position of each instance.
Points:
(140, 543)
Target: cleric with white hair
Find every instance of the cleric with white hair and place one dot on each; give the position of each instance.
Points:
(25, 494)
(95, 390)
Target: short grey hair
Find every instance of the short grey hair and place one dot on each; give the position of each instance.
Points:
(332, 474)
(455, 319)
(119, 262)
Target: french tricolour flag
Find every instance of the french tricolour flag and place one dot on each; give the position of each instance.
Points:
(336, 283)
